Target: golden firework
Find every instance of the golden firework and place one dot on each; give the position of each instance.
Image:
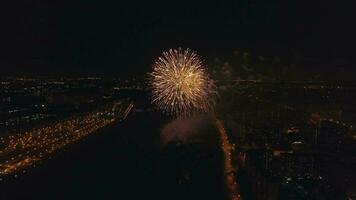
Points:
(180, 84)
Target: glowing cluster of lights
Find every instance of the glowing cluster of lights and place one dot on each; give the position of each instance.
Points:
(21, 150)
(226, 147)
(180, 84)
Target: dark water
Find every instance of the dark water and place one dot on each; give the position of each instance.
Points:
(125, 161)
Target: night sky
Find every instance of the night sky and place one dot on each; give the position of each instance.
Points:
(123, 38)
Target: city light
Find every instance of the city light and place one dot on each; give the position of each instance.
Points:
(229, 170)
(24, 149)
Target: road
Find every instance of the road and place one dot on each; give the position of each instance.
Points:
(229, 170)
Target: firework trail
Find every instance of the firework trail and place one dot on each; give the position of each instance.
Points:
(180, 84)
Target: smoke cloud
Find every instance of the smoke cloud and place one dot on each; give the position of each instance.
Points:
(182, 130)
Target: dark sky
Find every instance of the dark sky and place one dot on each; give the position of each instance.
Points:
(123, 37)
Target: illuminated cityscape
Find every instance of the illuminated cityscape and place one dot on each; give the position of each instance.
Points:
(177, 100)
(20, 150)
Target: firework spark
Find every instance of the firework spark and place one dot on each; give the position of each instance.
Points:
(180, 84)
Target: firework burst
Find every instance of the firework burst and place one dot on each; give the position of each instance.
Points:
(180, 84)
